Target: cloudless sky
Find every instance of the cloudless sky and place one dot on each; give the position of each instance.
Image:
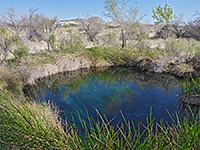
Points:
(69, 9)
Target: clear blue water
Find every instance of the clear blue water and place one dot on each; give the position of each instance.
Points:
(111, 91)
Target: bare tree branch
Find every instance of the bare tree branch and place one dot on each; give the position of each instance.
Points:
(14, 20)
(91, 26)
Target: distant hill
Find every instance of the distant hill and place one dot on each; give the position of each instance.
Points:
(94, 19)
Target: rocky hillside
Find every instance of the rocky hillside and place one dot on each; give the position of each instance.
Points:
(94, 32)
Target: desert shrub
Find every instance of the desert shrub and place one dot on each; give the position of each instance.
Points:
(71, 44)
(91, 26)
(51, 39)
(110, 40)
(182, 50)
(9, 80)
(14, 84)
(20, 51)
(11, 45)
(7, 41)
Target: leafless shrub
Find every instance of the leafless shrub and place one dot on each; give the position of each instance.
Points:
(34, 25)
(39, 27)
(91, 26)
(192, 27)
(178, 20)
(16, 28)
(110, 40)
(14, 20)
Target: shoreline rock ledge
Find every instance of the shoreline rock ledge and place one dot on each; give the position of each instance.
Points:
(70, 62)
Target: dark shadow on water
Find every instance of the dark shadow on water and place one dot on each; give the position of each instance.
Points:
(111, 91)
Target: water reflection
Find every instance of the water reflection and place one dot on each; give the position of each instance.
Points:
(110, 91)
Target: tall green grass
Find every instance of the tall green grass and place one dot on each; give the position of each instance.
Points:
(114, 56)
(29, 125)
(191, 85)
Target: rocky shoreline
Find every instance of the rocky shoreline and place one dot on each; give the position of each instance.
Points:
(72, 62)
(157, 66)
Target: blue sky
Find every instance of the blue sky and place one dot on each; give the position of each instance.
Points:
(68, 9)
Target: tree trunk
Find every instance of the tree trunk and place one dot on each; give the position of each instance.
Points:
(48, 45)
(123, 39)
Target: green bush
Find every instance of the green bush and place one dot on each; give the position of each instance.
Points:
(20, 52)
(162, 15)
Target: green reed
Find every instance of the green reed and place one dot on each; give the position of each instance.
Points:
(191, 85)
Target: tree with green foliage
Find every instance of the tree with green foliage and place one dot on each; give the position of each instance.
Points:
(162, 15)
(121, 12)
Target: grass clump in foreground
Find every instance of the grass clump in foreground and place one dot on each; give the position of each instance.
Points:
(28, 125)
